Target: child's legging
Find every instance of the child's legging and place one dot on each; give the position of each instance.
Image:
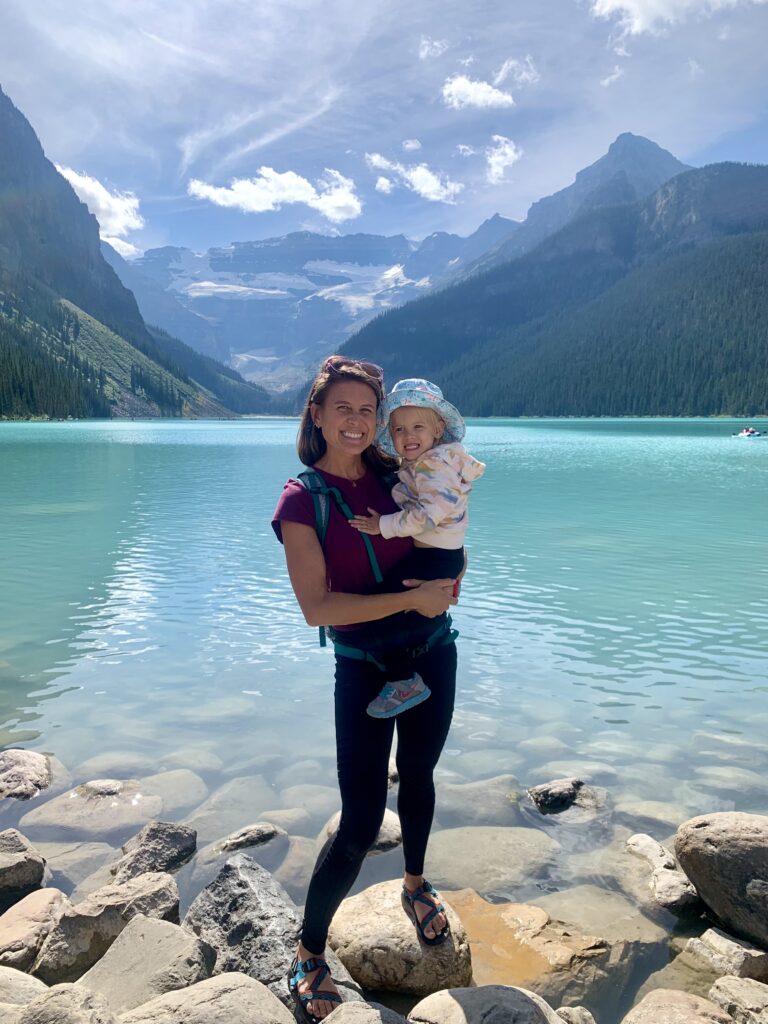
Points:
(363, 746)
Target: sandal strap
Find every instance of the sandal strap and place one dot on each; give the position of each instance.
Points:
(301, 968)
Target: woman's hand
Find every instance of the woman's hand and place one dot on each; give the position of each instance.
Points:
(431, 598)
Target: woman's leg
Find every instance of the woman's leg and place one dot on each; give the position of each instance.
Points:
(363, 746)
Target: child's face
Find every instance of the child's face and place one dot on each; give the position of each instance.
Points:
(414, 431)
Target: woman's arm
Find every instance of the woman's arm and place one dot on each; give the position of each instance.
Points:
(306, 568)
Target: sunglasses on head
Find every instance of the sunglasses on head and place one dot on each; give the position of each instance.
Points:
(337, 364)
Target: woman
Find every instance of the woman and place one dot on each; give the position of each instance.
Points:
(334, 583)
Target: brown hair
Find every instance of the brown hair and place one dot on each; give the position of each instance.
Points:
(310, 442)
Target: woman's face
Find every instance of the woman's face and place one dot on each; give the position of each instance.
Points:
(347, 417)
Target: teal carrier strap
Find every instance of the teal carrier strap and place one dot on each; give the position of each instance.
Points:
(321, 498)
(444, 634)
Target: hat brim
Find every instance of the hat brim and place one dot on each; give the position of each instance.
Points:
(455, 428)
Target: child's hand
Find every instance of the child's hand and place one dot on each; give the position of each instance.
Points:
(367, 524)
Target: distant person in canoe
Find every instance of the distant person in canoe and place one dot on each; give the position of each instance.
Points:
(336, 572)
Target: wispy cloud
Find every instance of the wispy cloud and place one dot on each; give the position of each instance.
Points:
(384, 185)
(614, 76)
(464, 150)
(637, 16)
(409, 145)
(523, 72)
(500, 155)
(460, 91)
(419, 178)
(431, 47)
(116, 212)
(695, 70)
(333, 195)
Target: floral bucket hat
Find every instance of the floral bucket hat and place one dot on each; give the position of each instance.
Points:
(421, 393)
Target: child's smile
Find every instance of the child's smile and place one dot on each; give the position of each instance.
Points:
(415, 431)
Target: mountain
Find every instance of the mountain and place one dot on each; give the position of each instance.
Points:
(72, 339)
(632, 169)
(615, 276)
(273, 308)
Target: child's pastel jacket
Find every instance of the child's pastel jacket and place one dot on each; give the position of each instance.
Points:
(433, 496)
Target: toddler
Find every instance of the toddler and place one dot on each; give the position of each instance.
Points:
(436, 473)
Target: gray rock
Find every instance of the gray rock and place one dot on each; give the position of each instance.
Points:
(725, 855)
(686, 973)
(366, 1013)
(9, 1014)
(24, 927)
(727, 955)
(101, 809)
(18, 989)
(178, 788)
(252, 835)
(665, 1006)
(69, 864)
(575, 1015)
(671, 889)
(488, 859)
(23, 773)
(21, 866)
(488, 1004)
(377, 943)
(252, 924)
(116, 764)
(237, 801)
(84, 933)
(227, 999)
(389, 838)
(159, 846)
(296, 867)
(148, 959)
(557, 795)
(744, 999)
(67, 1004)
(488, 802)
(200, 758)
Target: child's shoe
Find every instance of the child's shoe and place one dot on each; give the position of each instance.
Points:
(399, 696)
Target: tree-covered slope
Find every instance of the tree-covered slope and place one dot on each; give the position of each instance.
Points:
(685, 334)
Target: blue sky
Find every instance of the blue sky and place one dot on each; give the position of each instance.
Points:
(200, 123)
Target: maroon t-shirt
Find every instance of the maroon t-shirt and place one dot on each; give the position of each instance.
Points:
(348, 568)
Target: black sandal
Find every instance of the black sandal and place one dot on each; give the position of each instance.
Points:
(300, 969)
(429, 897)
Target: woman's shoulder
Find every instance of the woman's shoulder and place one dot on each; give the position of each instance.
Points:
(295, 505)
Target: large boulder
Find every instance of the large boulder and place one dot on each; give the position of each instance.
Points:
(17, 989)
(67, 1004)
(743, 999)
(670, 887)
(23, 773)
(24, 927)
(104, 809)
(725, 855)
(85, 932)
(227, 999)
(148, 959)
(378, 944)
(252, 924)
(159, 846)
(666, 1006)
(489, 1004)
(487, 858)
(21, 866)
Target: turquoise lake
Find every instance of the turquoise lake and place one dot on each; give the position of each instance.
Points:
(614, 620)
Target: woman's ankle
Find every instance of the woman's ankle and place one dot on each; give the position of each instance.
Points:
(306, 954)
(412, 882)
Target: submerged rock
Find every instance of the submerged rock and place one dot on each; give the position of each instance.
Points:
(488, 859)
(103, 809)
(725, 855)
(378, 944)
(69, 864)
(488, 802)
(225, 810)
(489, 1004)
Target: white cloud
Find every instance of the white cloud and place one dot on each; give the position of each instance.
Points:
(467, 62)
(523, 72)
(116, 212)
(384, 185)
(123, 248)
(636, 16)
(499, 156)
(333, 195)
(463, 150)
(460, 91)
(411, 144)
(419, 178)
(695, 70)
(431, 47)
(614, 76)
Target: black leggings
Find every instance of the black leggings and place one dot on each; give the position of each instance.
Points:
(363, 746)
